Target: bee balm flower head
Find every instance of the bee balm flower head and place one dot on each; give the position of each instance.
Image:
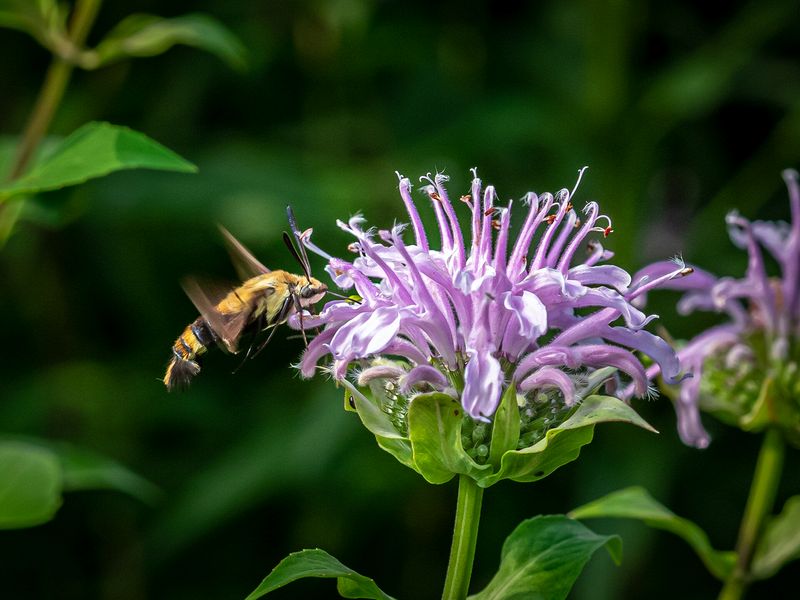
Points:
(471, 309)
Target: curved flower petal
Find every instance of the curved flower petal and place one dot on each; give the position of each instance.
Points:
(690, 427)
(609, 275)
(550, 377)
(366, 334)
(483, 384)
(422, 374)
(529, 314)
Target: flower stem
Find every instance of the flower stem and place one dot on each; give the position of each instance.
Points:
(50, 96)
(55, 83)
(759, 504)
(465, 534)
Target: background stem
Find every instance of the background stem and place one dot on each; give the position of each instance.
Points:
(465, 535)
(759, 504)
(47, 103)
(54, 86)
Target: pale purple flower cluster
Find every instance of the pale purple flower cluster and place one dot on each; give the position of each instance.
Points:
(756, 304)
(479, 313)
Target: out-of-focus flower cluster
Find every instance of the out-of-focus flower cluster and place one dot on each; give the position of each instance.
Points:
(471, 315)
(746, 369)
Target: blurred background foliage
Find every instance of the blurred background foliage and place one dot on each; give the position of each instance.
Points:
(682, 110)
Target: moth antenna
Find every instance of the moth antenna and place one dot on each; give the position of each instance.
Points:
(306, 264)
(288, 241)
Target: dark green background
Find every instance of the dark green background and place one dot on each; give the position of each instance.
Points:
(681, 112)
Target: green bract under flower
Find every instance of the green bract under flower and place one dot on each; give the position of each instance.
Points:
(527, 440)
(755, 391)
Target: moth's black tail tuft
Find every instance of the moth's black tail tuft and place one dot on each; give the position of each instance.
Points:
(179, 373)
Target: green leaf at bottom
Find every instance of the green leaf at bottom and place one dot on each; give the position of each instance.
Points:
(30, 485)
(318, 563)
(543, 557)
(636, 503)
(780, 542)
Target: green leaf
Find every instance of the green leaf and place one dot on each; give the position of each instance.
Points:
(505, 426)
(82, 469)
(563, 444)
(434, 428)
(370, 413)
(94, 150)
(318, 563)
(30, 485)
(636, 503)
(780, 542)
(543, 557)
(42, 19)
(150, 35)
(86, 470)
(379, 424)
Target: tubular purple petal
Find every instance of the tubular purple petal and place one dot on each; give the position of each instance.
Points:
(540, 258)
(422, 374)
(606, 275)
(483, 384)
(791, 266)
(516, 264)
(379, 372)
(690, 428)
(567, 230)
(411, 209)
(550, 377)
(366, 334)
(591, 211)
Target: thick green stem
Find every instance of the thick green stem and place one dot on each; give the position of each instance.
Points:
(465, 535)
(759, 504)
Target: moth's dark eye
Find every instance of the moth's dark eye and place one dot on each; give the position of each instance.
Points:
(307, 292)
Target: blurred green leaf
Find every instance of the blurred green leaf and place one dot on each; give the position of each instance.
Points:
(94, 150)
(30, 485)
(701, 80)
(543, 557)
(86, 470)
(780, 542)
(636, 503)
(563, 444)
(42, 19)
(505, 426)
(318, 563)
(308, 444)
(150, 35)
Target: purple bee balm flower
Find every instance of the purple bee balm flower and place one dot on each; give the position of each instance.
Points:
(476, 313)
(760, 337)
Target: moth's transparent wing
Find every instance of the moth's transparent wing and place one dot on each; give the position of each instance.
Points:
(206, 297)
(245, 263)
